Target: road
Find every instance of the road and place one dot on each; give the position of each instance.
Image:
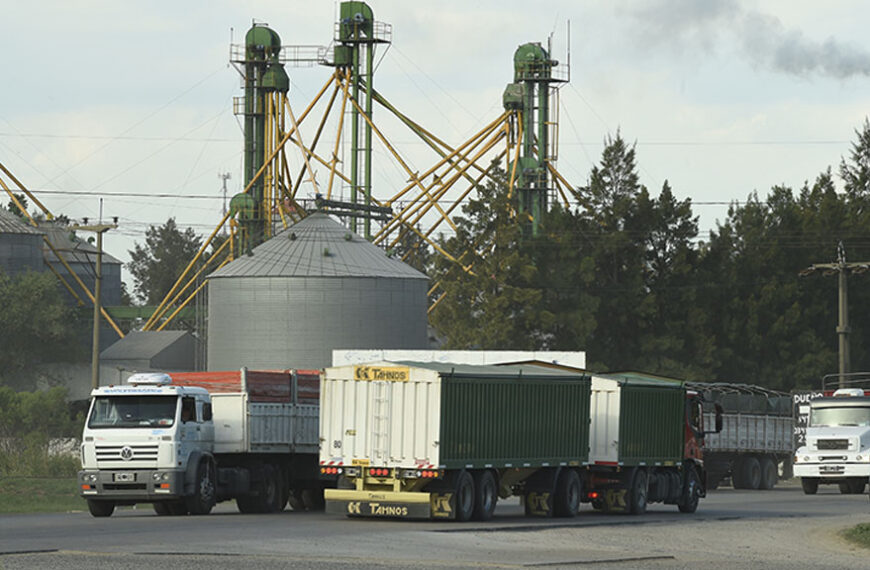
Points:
(782, 528)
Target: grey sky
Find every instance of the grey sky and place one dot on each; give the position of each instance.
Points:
(723, 98)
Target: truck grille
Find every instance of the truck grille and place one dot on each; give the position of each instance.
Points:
(127, 453)
(832, 444)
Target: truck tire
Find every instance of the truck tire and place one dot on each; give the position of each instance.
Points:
(312, 498)
(271, 495)
(691, 492)
(638, 492)
(737, 474)
(485, 495)
(101, 508)
(203, 498)
(161, 508)
(569, 491)
(268, 498)
(858, 485)
(809, 485)
(177, 508)
(295, 500)
(464, 496)
(768, 473)
(751, 473)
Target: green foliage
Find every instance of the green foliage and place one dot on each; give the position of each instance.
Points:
(35, 324)
(158, 264)
(625, 277)
(858, 535)
(39, 495)
(33, 426)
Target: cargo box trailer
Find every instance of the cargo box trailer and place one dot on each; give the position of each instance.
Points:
(186, 441)
(647, 444)
(446, 441)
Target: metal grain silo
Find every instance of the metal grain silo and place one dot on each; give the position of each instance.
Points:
(20, 245)
(310, 289)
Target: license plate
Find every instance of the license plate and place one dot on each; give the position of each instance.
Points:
(832, 469)
(125, 477)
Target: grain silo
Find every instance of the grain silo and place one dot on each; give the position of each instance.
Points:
(310, 289)
(20, 245)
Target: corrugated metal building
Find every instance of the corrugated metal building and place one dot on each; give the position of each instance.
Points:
(310, 289)
(20, 245)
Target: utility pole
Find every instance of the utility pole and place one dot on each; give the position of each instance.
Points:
(224, 177)
(99, 229)
(841, 268)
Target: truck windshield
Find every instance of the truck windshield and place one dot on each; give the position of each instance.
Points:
(845, 416)
(133, 411)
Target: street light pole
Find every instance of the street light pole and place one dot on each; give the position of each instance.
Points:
(99, 229)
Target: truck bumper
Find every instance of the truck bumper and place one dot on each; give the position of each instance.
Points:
(831, 470)
(134, 485)
(410, 505)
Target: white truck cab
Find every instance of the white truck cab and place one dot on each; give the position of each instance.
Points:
(148, 441)
(837, 446)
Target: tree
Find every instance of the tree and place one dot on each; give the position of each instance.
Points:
(36, 326)
(157, 265)
(491, 299)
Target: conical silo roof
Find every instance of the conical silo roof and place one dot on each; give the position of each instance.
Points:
(317, 246)
(12, 224)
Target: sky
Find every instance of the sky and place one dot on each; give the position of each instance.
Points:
(131, 103)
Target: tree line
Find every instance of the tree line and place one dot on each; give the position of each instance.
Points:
(626, 276)
(622, 274)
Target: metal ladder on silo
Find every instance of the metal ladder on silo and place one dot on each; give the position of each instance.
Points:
(380, 422)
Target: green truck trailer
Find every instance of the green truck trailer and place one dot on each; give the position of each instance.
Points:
(447, 441)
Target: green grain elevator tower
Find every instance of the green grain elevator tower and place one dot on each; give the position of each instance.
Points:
(534, 82)
(356, 36)
(263, 75)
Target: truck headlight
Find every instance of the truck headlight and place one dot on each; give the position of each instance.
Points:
(859, 457)
(158, 476)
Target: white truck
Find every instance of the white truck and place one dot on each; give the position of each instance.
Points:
(184, 442)
(837, 448)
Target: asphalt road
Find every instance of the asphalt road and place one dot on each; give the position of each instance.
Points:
(782, 528)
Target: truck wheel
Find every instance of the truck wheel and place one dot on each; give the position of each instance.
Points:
(161, 508)
(810, 486)
(485, 495)
(568, 492)
(751, 475)
(312, 498)
(248, 504)
(737, 473)
(768, 473)
(271, 496)
(858, 485)
(101, 508)
(177, 508)
(691, 493)
(203, 498)
(638, 492)
(464, 496)
(294, 499)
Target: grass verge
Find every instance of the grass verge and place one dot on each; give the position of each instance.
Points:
(858, 535)
(39, 495)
